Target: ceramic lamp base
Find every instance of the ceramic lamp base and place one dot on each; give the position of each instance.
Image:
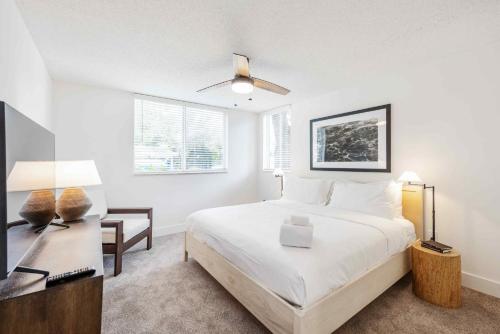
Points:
(39, 208)
(73, 204)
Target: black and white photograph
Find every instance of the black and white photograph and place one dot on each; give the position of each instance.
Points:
(353, 141)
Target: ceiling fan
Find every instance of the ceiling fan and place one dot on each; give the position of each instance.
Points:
(243, 83)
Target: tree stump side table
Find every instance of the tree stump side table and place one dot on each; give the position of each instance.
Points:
(437, 276)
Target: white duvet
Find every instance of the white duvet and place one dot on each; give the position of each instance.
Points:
(345, 245)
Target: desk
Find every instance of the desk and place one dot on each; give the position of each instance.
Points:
(27, 306)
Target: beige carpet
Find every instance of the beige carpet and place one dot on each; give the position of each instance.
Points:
(158, 293)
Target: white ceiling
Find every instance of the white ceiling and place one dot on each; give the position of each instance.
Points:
(172, 48)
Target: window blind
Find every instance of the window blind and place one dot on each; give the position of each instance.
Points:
(276, 141)
(175, 138)
(205, 137)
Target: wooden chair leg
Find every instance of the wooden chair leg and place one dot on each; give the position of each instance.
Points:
(186, 255)
(150, 239)
(118, 263)
(119, 255)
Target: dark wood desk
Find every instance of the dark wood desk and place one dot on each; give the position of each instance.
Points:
(27, 306)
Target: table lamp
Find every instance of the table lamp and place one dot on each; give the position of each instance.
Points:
(278, 172)
(74, 203)
(414, 180)
(39, 178)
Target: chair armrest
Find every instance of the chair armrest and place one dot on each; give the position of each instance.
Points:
(130, 210)
(112, 223)
(117, 224)
(148, 211)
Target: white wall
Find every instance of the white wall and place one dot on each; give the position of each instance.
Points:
(445, 118)
(97, 123)
(25, 83)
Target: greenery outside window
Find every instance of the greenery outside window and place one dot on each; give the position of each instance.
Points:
(178, 137)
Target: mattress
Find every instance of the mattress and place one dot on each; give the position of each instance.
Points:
(345, 245)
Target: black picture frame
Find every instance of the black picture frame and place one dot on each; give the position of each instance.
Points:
(387, 168)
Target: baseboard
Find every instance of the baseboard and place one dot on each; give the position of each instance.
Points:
(169, 229)
(481, 284)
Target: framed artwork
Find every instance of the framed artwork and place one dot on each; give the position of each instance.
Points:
(356, 141)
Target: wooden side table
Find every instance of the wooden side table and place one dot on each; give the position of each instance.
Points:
(437, 276)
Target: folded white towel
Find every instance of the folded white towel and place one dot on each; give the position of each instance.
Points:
(299, 220)
(296, 235)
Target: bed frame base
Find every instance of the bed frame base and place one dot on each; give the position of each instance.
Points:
(324, 316)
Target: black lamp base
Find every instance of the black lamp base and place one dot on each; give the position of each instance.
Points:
(436, 246)
(42, 228)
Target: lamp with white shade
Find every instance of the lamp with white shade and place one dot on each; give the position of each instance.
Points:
(39, 178)
(413, 179)
(410, 177)
(74, 203)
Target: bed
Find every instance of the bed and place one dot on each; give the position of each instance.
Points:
(354, 258)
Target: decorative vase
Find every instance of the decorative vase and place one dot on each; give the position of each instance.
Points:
(39, 208)
(73, 204)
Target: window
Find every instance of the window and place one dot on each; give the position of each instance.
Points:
(276, 124)
(176, 137)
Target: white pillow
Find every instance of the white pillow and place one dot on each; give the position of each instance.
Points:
(304, 190)
(383, 199)
(395, 193)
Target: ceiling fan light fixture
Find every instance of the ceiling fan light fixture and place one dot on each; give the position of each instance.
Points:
(242, 85)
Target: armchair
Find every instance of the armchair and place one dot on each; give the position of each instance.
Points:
(121, 227)
(121, 233)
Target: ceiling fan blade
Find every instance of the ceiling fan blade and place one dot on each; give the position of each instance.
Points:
(217, 85)
(263, 84)
(240, 64)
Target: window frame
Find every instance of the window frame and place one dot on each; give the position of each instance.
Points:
(184, 105)
(265, 136)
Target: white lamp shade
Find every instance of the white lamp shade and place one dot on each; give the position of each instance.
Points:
(31, 175)
(78, 173)
(278, 172)
(410, 176)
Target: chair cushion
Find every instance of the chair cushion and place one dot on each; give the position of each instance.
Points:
(131, 228)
